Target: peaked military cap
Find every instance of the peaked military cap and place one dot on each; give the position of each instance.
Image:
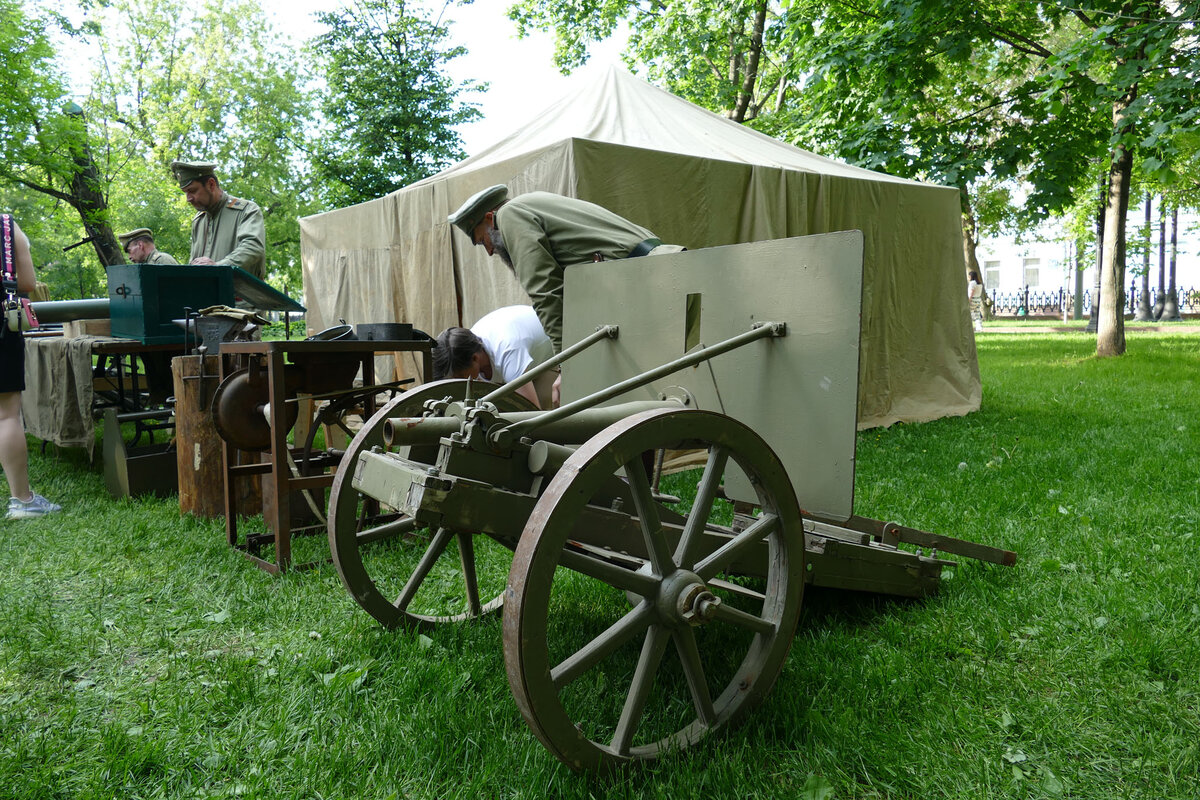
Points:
(471, 212)
(126, 238)
(187, 171)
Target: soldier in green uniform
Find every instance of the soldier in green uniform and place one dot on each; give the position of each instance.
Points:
(539, 234)
(139, 246)
(227, 229)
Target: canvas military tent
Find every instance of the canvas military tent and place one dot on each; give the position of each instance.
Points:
(695, 179)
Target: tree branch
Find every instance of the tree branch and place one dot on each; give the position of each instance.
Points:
(1084, 18)
(1020, 43)
(41, 189)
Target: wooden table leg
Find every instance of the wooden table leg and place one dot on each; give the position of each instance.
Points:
(279, 512)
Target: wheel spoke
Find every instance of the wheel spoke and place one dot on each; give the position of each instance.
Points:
(364, 513)
(652, 531)
(738, 589)
(706, 492)
(602, 646)
(764, 526)
(397, 527)
(368, 509)
(432, 554)
(615, 576)
(466, 556)
(693, 670)
(734, 616)
(643, 678)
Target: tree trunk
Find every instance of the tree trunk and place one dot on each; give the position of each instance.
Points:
(1143, 306)
(1110, 333)
(1080, 249)
(86, 197)
(750, 75)
(1161, 301)
(1171, 307)
(971, 242)
(93, 210)
(1094, 315)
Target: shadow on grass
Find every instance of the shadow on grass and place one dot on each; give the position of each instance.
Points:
(835, 608)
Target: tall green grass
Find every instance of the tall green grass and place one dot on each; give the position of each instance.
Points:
(140, 656)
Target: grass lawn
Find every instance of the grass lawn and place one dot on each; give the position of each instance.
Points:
(142, 657)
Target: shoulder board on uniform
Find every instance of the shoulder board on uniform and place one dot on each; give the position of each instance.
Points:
(235, 203)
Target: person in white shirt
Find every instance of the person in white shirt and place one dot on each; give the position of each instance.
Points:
(503, 345)
(975, 299)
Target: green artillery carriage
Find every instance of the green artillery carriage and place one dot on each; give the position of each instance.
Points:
(640, 615)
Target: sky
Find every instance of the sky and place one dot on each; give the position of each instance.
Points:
(521, 73)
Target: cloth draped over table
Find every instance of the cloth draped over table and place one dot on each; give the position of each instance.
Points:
(57, 401)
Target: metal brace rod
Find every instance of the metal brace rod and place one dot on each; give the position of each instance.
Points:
(504, 436)
(363, 390)
(602, 332)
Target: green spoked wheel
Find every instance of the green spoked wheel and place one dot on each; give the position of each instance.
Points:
(402, 574)
(622, 654)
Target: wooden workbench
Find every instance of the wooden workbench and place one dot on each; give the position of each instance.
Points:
(279, 480)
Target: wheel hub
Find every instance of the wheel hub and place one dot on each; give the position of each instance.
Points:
(684, 599)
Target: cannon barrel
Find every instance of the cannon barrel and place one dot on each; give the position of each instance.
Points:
(574, 429)
(50, 311)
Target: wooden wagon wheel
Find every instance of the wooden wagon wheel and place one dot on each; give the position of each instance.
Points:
(401, 574)
(599, 688)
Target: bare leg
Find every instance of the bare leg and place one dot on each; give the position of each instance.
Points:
(14, 455)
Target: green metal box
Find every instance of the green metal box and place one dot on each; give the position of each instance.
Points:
(143, 299)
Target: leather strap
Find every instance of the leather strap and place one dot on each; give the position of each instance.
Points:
(8, 259)
(644, 247)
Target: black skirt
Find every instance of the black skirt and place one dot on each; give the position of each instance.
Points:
(12, 360)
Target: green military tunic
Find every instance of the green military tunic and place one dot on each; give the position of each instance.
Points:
(545, 233)
(159, 257)
(233, 235)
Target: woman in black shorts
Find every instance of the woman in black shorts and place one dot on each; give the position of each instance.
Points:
(14, 454)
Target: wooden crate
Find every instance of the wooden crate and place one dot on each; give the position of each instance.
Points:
(87, 327)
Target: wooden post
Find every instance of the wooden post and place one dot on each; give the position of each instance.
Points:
(198, 446)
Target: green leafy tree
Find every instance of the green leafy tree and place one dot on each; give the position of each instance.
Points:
(43, 134)
(389, 109)
(202, 83)
(727, 55)
(1077, 83)
(172, 80)
(62, 261)
(935, 91)
(827, 76)
(1144, 57)
(969, 94)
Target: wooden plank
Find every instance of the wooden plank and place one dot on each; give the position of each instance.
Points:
(873, 568)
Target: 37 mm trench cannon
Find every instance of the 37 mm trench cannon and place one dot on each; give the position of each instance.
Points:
(639, 616)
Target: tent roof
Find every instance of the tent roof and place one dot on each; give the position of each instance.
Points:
(620, 108)
(692, 177)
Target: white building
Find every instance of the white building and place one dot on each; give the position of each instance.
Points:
(1045, 263)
